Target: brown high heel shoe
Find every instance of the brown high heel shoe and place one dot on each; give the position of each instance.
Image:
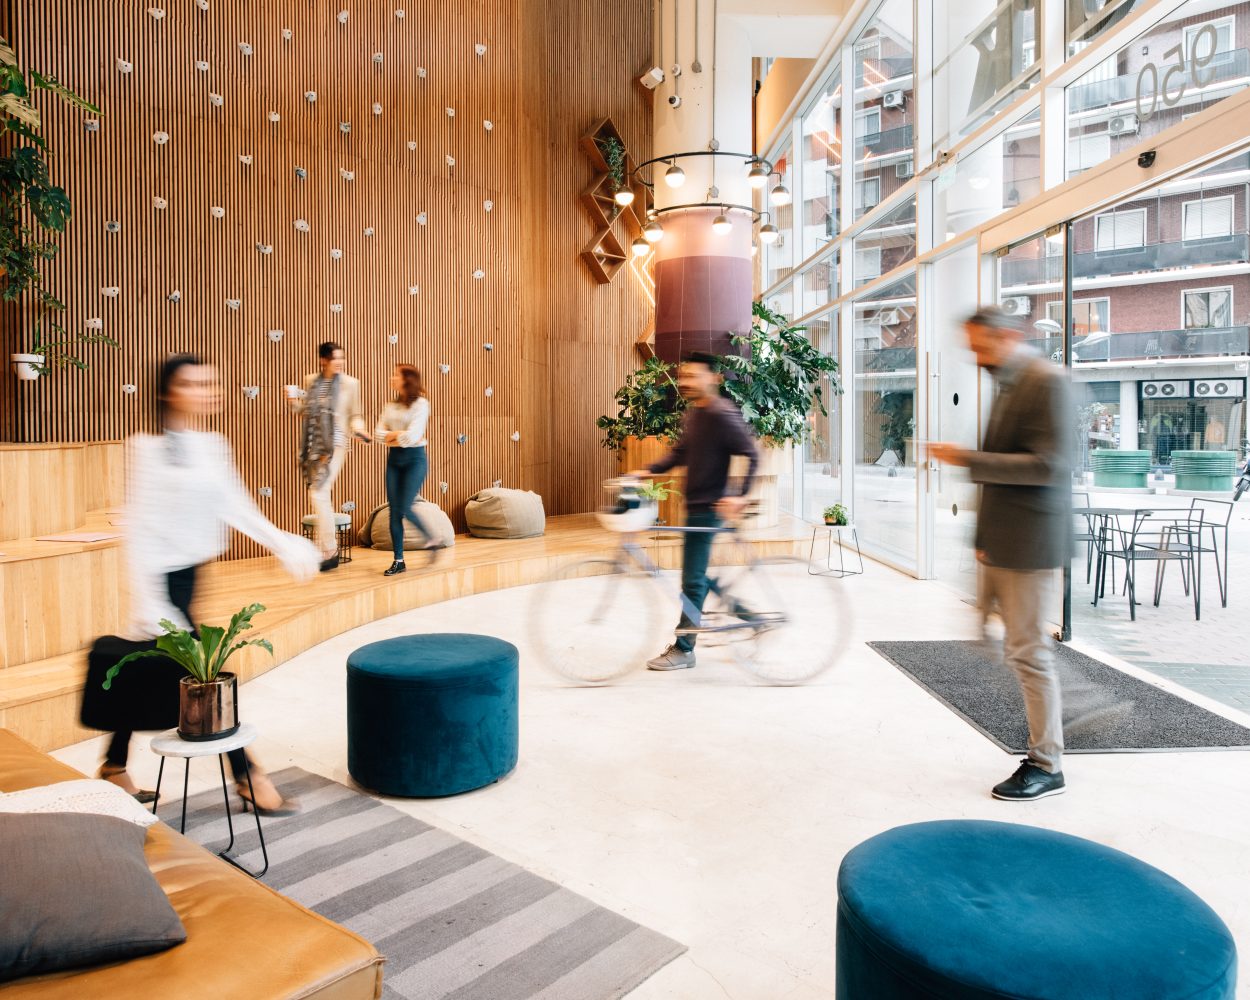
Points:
(267, 793)
(112, 773)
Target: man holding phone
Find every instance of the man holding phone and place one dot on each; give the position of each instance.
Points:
(330, 406)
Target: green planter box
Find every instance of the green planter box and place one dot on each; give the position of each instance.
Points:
(1210, 471)
(1125, 470)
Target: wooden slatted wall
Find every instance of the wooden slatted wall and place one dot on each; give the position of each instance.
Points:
(559, 342)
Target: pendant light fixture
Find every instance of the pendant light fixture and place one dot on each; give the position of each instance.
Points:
(625, 196)
(640, 247)
(674, 176)
(758, 175)
(780, 195)
(769, 233)
(721, 225)
(653, 232)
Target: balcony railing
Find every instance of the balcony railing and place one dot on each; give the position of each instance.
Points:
(892, 140)
(877, 69)
(1150, 345)
(1152, 257)
(1103, 93)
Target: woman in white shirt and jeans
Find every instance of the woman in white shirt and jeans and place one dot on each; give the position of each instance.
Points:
(402, 428)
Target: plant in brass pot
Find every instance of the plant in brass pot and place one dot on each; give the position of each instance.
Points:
(33, 211)
(647, 406)
(208, 696)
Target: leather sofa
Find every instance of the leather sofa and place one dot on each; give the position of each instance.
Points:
(243, 939)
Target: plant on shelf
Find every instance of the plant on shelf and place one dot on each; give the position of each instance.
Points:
(32, 210)
(659, 492)
(781, 379)
(836, 514)
(614, 156)
(207, 697)
(648, 405)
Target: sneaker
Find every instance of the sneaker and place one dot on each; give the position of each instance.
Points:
(1029, 782)
(673, 658)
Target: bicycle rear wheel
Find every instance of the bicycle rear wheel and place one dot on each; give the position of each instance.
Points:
(593, 621)
(801, 626)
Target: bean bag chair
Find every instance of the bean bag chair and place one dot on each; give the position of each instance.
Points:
(500, 513)
(377, 530)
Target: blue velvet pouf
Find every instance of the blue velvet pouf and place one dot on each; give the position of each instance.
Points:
(431, 715)
(971, 909)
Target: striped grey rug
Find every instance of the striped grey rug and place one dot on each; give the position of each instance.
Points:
(454, 921)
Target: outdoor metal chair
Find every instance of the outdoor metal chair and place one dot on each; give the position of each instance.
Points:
(1178, 540)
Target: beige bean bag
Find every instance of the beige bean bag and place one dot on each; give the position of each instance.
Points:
(500, 513)
(377, 530)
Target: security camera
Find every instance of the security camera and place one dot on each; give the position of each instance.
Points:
(1146, 160)
(674, 101)
(652, 78)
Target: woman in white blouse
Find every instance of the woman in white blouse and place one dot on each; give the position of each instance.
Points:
(402, 428)
(184, 493)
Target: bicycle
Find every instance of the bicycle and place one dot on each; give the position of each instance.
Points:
(781, 624)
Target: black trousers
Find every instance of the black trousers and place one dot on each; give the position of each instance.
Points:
(181, 586)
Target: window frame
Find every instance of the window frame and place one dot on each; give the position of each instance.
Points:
(1232, 209)
(1190, 32)
(1119, 213)
(1186, 292)
(859, 186)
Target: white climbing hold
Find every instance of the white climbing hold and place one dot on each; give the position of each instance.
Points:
(488, 205)
(216, 100)
(160, 138)
(274, 117)
(444, 369)
(287, 34)
(175, 296)
(497, 483)
(158, 13)
(442, 487)
(245, 48)
(480, 49)
(124, 65)
(347, 175)
(422, 219)
(345, 128)
(265, 247)
(488, 346)
(130, 388)
(479, 274)
(95, 323)
(413, 289)
(421, 72)
(399, 13)
(265, 491)
(336, 253)
(201, 65)
(412, 144)
(392, 338)
(113, 226)
(377, 108)
(217, 212)
(202, 4)
(368, 230)
(336, 307)
(488, 125)
(91, 125)
(276, 335)
(159, 202)
(251, 391)
(451, 112)
(310, 96)
(343, 16)
(234, 304)
(462, 439)
(245, 159)
(302, 225)
(490, 391)
(377, 58)
(451, 160)
(515, 435)
(112, 291)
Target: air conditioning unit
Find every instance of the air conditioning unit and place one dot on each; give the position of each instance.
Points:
(893, 99)
(1017, 305)
(904, 170)
(1123, 125)
(1165, 390)
(1223, 388)
(889, 317)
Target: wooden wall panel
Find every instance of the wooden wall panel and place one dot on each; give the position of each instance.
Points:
(560, 343)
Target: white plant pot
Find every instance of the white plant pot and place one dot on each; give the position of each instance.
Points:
(26, 366)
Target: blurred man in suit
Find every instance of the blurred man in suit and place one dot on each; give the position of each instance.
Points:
(1024, 527)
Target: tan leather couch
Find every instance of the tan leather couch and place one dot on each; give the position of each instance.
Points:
(243, 939)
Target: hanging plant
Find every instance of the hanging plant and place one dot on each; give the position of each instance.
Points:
(614, 155)
(32, 208)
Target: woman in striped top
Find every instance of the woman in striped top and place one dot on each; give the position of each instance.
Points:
(402, 428)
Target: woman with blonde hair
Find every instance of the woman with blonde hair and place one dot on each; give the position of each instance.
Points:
(402, 429)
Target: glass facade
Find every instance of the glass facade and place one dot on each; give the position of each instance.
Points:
(951, 139)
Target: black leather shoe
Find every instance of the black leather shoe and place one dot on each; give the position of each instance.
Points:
(396, 567)
(1028, 783)
(329, 564)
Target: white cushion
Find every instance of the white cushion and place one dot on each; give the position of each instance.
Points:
(81, 795)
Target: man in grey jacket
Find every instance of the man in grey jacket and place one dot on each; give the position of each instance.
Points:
(1024, 527)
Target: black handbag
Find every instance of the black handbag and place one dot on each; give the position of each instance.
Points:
(144, 695)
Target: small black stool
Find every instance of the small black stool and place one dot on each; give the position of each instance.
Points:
(342, 533)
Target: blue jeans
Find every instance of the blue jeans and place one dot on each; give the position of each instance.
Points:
(405, 475)
(695, 583)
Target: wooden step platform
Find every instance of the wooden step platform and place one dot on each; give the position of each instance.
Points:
(39, 700)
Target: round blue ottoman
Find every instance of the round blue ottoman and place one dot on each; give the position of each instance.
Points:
(431, 715)
(988, 910)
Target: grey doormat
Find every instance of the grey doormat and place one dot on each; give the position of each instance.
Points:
(453, 920)
(1105, 710)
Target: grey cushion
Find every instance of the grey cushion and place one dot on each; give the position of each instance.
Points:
(76, 890)
(435, 520)
(502, 513)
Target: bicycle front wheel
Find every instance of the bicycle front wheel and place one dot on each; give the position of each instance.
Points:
(593, 621)
(801, 628)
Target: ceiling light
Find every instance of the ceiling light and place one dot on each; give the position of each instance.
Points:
(758, 176)
(640, 247)
(721, 225)
(625, 196)
(769, 233)
(653, 232)
(780, 195)
(674, 176)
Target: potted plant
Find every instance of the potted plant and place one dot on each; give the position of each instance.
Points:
(614, 156)
(778, 381)
(32, 209)
(836, 515)
(208, 706)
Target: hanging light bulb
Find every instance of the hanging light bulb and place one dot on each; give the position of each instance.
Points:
(625, 196)
(769, 233)
(721, 225)
(640, 247)
(780, 195)
(674, 176)
(758, 176)
(755, 248)
(653, 232)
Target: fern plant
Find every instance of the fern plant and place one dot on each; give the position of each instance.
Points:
(203, 657)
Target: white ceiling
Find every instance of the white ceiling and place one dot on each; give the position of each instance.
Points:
(786, 29)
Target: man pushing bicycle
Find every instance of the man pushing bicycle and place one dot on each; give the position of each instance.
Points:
(712, 432)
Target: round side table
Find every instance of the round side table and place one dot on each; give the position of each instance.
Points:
(829, 570)
(170, 744)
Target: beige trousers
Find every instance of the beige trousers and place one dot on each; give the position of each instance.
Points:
(323, 507)
(1023, 597)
